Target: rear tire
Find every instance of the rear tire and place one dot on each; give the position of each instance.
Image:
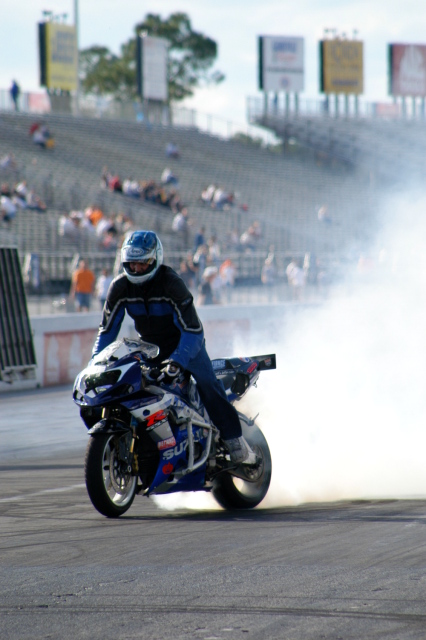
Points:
(110, 486)
(232, 492)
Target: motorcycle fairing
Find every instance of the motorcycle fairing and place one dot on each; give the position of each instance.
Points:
(174, 460)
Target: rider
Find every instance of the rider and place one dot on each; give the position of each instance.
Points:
(162, 308)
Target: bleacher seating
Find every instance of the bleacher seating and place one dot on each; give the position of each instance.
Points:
(282, 191)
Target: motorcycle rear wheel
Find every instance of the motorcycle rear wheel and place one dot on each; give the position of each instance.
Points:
(110, 487)
(233, 492)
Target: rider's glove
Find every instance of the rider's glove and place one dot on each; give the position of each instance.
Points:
(169, 373)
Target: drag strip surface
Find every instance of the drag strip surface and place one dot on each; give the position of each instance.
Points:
(341, 570)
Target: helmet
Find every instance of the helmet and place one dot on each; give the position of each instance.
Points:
(145, 247)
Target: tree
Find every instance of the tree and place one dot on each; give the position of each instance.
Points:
(191, 57)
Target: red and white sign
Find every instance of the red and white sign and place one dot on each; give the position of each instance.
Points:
(408, 69)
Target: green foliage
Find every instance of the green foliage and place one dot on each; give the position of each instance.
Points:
(191, 57)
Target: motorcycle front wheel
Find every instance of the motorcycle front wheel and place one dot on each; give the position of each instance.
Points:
(110, 485)
(250, 487)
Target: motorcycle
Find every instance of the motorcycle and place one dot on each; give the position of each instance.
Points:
(151, 436)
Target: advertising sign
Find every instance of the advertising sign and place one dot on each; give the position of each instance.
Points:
(152, 63)
(407, 69)
(58, 56)
(281, 64)
(341, 66)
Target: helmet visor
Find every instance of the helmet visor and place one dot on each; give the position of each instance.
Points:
(146, 265)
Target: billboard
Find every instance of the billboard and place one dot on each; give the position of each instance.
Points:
(281, 64)
(58, 56)
(407, 69)
(341, 66)
(152, 68)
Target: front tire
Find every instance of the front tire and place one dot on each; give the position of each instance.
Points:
(110, 486)
(233, 492)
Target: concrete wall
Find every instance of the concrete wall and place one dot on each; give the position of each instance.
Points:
(63, 343)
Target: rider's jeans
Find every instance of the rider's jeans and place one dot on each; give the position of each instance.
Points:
(213, 396)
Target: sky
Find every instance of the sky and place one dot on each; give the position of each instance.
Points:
(235, 25)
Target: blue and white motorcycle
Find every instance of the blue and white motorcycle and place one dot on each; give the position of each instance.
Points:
(155, 437)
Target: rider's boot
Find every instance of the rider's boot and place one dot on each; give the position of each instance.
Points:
(240, 450)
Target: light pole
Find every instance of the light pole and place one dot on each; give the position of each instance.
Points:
(77, 93)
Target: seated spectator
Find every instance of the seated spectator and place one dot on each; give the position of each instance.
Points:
(8, 162)
(168, 177)
(222, 199)
(8, 208)
(35, 202)
(172, 151)
(69, 226)
(43, 138)
(249, 238)
(94, 214)
(131, 188)
(114, 184)
(208, 193)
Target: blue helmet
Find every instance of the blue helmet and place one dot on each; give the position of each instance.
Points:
(145, 247)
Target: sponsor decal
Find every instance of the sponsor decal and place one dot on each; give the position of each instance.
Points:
(252, 367)
(165, 444)
(167, 468)
(244, 359)
(218, 364)
(159, 416)
(267, 362)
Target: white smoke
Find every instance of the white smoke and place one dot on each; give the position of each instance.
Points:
(344, 413)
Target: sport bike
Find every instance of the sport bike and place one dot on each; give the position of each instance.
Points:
(151, 436)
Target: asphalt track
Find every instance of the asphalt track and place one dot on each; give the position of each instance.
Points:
(337, 570)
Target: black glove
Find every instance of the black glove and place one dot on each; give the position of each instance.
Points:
(169, 373)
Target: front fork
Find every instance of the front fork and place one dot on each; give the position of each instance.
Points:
(127, 455)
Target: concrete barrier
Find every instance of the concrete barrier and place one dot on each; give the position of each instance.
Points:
(63, 342)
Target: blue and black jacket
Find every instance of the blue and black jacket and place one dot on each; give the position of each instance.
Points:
(163, 312)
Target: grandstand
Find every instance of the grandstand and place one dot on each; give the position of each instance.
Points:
(282, 190)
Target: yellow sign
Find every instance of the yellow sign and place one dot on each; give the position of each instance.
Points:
(61, 57)
(342, 66)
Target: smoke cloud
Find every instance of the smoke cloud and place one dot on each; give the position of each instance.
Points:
(344, 413)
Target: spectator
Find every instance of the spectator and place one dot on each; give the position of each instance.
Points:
(269, 272)
(131, 188)
(323, 215)
(168, 177)
(227, 273)
(214, 250)
(200, 259)
(296, 278)
(102, 286)
(187, 276)
(69, 226)
(114, 184)
(82, 285)
(14, 94)
(42, 137)
(8, 208)
(8, 162)
(206, 293)
(208, 193)
(180, 226)
(199, 238)
(172, 151)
